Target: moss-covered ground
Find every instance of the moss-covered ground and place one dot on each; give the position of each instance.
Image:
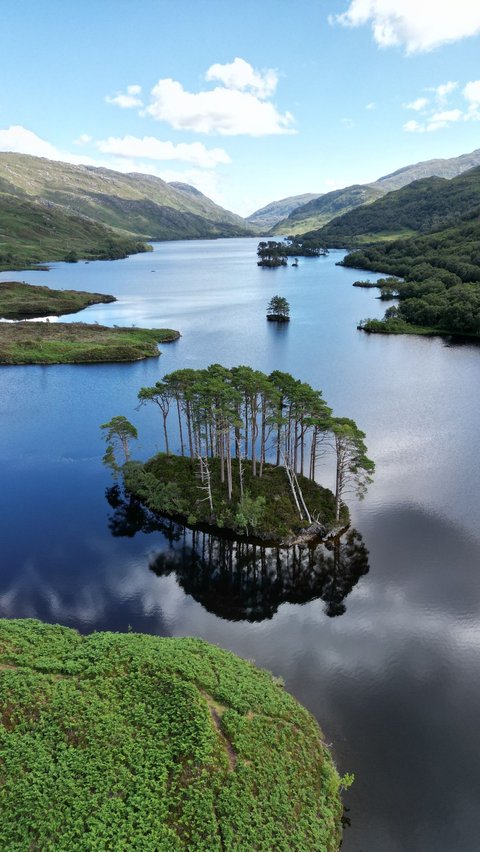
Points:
(19, 300)
(131, 742)
(78, 343)
(172, 485)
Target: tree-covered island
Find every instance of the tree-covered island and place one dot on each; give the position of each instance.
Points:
(249, 449)
(278, 309)
(273, 253)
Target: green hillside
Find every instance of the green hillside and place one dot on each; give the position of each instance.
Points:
(34, 232)
(441, 291)
(322, 209)
(131, 742)
(142, 205)
(423, 206)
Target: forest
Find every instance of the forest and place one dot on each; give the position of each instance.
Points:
(245, 442)
(441, 290)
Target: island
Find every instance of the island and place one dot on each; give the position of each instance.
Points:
(249, 446)
(67, 343)
(122, 741)
(19, 300)
(278, 309)
(78, 343)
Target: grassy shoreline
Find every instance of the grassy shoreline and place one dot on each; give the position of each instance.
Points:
(171, 486)
(25, 343)
(19, 300)
(396, 326)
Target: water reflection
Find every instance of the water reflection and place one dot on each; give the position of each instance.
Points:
(241, 581)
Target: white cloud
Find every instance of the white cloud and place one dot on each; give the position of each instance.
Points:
(371, 105)
(83, 139)
(419, 25)
(435, 122)
(471, 92)
(127, 100)
(154, 149)
(240, 75)
(240, 107)
(445, 89)
(413, 127)
(417, 105)
(22, 141)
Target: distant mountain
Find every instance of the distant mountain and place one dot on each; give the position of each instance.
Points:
(268, 216)
(322, 209)
(140, 205)
(447, 168)
(424, 206)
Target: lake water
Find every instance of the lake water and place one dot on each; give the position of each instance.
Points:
(386, 655)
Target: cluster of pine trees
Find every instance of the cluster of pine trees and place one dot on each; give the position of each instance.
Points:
(243, 414)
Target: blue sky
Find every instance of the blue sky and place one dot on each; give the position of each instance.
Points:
(248, 101)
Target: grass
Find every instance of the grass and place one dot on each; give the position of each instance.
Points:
(129, 741)
(171, 485)
(78, 343)
(19, 300)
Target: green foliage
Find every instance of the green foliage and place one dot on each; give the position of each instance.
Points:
(320, 210)
(77, 343)
(278, 307)
(250, 511)
(118, 433)
(115, 741)
(442, 287)
(272, 253)
(171, 485)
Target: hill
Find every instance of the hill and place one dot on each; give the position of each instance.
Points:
(129, 742)
(319, 211)
(322, 209)
(441, 290)
(268, 216)
(426, 205)
(141, 205)
(34, 232)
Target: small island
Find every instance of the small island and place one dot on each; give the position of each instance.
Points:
(78, 343)
(67, 343)
(122, 741)
(249, 446)
(273, 253)
(19, 300)
(278, 309)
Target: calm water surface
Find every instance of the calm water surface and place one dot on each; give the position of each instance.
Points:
(394, 677)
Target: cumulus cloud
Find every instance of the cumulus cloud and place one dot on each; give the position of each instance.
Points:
(240, 75)
(83, 139)
(471, 93)
(445, 89)
(127, 100)
(418, 26)
(154, 149)
(417, 105)
(19, 140)
(240, 107)
(436, 121)
(371, 105)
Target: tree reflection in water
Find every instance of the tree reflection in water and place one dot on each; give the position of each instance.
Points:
(243, 581)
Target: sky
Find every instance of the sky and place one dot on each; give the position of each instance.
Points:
(248, 101)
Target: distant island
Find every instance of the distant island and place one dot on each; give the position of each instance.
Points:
(273, 253)
(113, 739)
(249, 450)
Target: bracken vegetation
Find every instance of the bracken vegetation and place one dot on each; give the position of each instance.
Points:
(130, 742)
